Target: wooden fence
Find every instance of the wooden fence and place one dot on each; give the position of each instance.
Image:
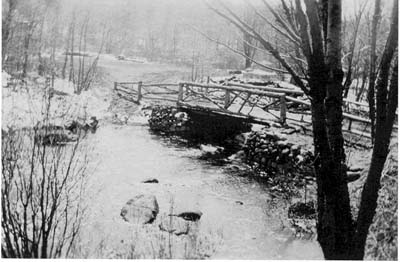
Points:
(137, 91)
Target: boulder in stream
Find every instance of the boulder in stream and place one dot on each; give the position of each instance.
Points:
(75, 126)
(150, 181)
(175, 226)
(189, 215)
(140, 209)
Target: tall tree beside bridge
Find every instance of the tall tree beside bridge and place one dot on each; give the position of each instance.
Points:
(386, 101)
(314, 27)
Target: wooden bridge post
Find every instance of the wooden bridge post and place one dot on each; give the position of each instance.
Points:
(180, 94)
(140, 83)
(208, 82)
(283, 108)
(115, 85)
(227, 99)
(227, 96)
(350, 122)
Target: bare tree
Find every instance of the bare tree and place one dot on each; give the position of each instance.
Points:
(386, 104)
(350, 55)
(7, 26)
(315, 28)
(249, 44)
(82, 54)
(34, 17)
(42, 192)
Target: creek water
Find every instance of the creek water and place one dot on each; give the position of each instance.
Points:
(236, 210)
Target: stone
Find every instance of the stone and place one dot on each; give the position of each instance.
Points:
(140, 209)
(353, 176)
(189, 215)
(211, 149)
(285, 151)
(240, 140)
(150, 181)
(93, 124)
(174, 226)
(281, 143)
(355, 168)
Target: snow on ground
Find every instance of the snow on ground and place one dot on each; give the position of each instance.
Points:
(287, 85)
(24, 104)
(6, 79)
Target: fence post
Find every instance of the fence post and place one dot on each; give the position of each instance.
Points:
(283, 109)
(180, 94)
(350, 122)
(208, 82)
(139, 91)
(115, 85)
(227, 99)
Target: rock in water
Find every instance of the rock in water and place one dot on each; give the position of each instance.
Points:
(353, 176)
(140, 209)
(190, 216)
(174, 226)
(150, 180)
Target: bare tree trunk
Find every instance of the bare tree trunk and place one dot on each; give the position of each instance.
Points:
(372, 67)
(27, 41)
(363, 84)
(349, 75)
(78, 82)
(64, 68)
(71, 70)
(41, 67)
(174, 42)
(248, 50)
(6, 28)
(386, 105)
(82, 50)
(335, 221)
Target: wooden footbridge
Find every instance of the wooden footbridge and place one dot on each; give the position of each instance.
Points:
(256, 104)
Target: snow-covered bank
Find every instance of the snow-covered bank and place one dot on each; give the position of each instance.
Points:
(24, 103)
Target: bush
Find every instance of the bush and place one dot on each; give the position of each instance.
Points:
(42, 191)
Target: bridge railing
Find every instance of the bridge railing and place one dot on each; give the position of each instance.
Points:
(239, 100)
(234, 99)
(137, 91)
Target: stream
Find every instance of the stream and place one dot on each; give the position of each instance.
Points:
(236, 210)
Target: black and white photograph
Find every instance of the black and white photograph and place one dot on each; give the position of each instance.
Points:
(199, 129)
